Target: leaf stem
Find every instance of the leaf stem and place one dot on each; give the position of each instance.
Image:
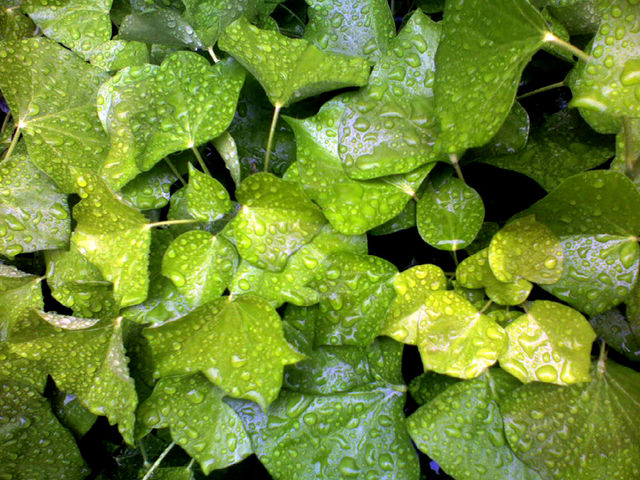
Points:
(196, 152)
(174, 170)
(486, 306)
(14, 141)
(456, 165)
(563, 83)
(629, 157)
(212, 54)
(5, 122)
(166, 223)
(272, 131)
(158, 461)
(602, 359)
(551, 38)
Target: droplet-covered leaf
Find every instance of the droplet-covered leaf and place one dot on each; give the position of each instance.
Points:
(290, 69)
(450, 214)
(20, 293)
(549, 343)
(14, 25)
(429, 385)
(51, 93)
(619, 332)
(207, 199)
(239, 346)
(115, 55)
(163, 26)
(511, 137)
(150, 189)
(210, 17)
(200, 421)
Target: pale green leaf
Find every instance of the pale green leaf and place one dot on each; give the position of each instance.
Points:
(404, 220)
(227, 147)
(627, 158)
(151, 189)
(22, 370)
(115, 55)
(549, 343)
(207, 199)
(20, 293)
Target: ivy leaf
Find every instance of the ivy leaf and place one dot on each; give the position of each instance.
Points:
(355, 28)
(290, 69)
(475, 272)
(276, 220)
(239, 346)
(20, 293)
(449, 214)
(389, 127)
(560, 148)
(152, 111)
(14, 25)
(33, 443)
(200, 421)
(81, 25)
(115, 55)
(200, 265)
(355, 292)
(580, 18)
(353, 207)
(429, 385)
(94, 369)
(78, 284)
(163, 26)
(599, 271)
(466, 418)
(526, 249)
(290, 285)
(34, 214)
(591, 203)
(618, 332)
(549, 343)
(610, 81)
(627, 159)
(411, 286)
(479, 63)
(207, 199)
(512, 136)
(403, 221)
(72, 414)
(563, 433)
(113, 236)
(209, 18)
(61, 130)
(151, 189)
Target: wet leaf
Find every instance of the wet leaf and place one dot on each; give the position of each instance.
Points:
(95, 368)
(479, 63)
(152, 111)
(618, 332)
(598, 273)
(163, 26)
(351, 206)
(61, 130)
(207, 199)
(627, 159)
(276, 219)
(355, 292)
(404, 220)
(581, 431)
(150, 189)
(115, 55)
(389, 127)
(579, 16)
(209, 18)
(34, 214)
(353, 27)
(526, 249)
(114, 237)
(290, 69)
(512, 136)
(466, 418)
(14, 25)
(549, 343)
(33, 444)
(200, 421)
(239, 346)
(72, 414)
(20, 293)
(450, 214)
(429, 385)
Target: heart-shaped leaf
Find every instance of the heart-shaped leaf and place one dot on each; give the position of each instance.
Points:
(549, 343)
(207, 199)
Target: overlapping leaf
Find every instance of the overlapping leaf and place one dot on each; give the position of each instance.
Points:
(115, 55)
(163, 26)
(14, 25)
(210, 17)
(619, 332)
(150, 189)
(207, 199)
(20, 293)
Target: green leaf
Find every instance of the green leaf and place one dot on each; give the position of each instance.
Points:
(475, 272)
(163, 26)
(34, 214)
(627, 159)
(72, 414)
(450, 214)
(549, 343)
(466, 418)
(412, 286)
(228, 149)
(239, 346)
(353, 27)
(610, 82)
(618, 332)
(200, 265)
(78, 284)
(114, 237)
(290, 69)
(209, 18)
(207, 199)
(403, 221)
(152, 111)
(290, 285)
(150, 189)
(560, 148)
(275, 221)
(429, 385)
(14, 25)
(33, 444)
(20, 293)
(389, 127)
(454, 338)
(599, 271)
(164, 303)
(581, 17)
(355, 292)
(115, 55)
(511, 137)
(200, 422)
(479, 63)
(81, 25)
(61, 130)
(582, 431)
(352, 206)
(591, 203)
(21, 370)
(526, 249)
(94, 368)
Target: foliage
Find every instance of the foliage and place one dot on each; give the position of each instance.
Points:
(193, 285)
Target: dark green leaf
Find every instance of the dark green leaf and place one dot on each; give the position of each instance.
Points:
(210, 17)
(163, 26)
(429, 385)
(619, 334)
(14, 25)
(511, 137)
(72, 414)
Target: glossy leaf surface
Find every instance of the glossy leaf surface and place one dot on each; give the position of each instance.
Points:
(163, 26)
(618, 332)
(210, 17)
(14, 25)
(207, 199)
(20, 293)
